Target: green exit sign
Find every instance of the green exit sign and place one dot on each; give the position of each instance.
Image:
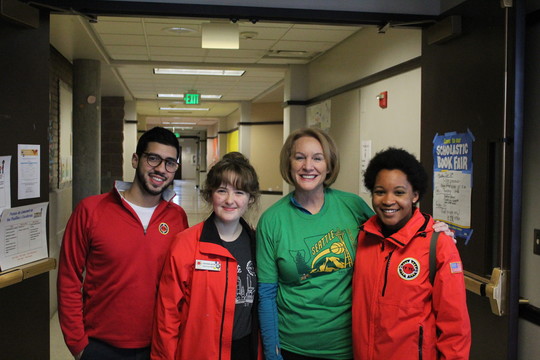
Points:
(191, 99)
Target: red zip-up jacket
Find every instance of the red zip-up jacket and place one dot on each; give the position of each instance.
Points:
(107, 253)
(195, 307)
(397, 313)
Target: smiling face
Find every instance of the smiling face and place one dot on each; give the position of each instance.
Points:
(393, 198)
(229, 203)
(308, 165)
(153, 180)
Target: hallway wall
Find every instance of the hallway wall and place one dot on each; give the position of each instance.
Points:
(356, 115)
(266, 138)
(364, 53)
(129, 146)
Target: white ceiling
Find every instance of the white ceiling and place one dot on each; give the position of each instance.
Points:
(130, 47)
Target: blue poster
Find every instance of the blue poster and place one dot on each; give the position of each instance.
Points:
(452, 181)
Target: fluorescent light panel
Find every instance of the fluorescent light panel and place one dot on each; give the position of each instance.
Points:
(181, 96)
(183, 109)
(173, 128)
(214, 72)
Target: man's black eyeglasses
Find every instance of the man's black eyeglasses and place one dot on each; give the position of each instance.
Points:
(155, 160)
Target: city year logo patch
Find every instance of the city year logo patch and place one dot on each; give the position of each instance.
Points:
(408, 269)
(164, 228)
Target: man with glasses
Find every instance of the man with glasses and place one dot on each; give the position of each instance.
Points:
(112, 255)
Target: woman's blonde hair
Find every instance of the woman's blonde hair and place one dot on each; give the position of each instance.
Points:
(328, 145)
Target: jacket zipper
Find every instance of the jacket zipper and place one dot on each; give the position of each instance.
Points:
(224, 306)
(420, 342)
(386, 271)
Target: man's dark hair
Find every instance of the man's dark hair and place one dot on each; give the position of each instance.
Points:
(159, 135)
(397, 159)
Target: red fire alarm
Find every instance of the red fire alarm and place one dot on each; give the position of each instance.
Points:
(383, 99)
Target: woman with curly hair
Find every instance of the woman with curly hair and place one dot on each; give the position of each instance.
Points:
(399, 311)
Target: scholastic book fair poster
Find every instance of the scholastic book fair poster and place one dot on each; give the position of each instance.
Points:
(452, 181)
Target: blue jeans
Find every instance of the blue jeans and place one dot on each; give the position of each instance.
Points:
(98, 350)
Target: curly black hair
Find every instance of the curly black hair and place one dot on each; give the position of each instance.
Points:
(397, 159)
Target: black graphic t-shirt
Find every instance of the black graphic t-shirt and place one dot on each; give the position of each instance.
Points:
(246, 284)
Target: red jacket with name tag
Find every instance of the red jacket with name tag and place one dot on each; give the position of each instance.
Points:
(196, 303)
(397, 312)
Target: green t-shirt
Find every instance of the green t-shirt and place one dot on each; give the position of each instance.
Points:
(311, 258)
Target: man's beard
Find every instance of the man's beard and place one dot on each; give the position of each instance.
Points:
(142, 181)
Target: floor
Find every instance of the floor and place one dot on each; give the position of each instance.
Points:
(187, 196)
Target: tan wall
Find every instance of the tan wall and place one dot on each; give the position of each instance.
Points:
(230, 122)
(345, 113)
(266, 112)
(129, 146)
(399, 124)
(355, 115)
(266, 141)
(265, 144)
(364, 53)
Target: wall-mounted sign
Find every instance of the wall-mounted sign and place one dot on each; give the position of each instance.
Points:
(319, 115)
(23, 235)
(28, 164)
(192, 99)
(452, 181)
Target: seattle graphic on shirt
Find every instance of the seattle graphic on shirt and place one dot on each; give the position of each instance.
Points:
(245, 288)
(323, 254)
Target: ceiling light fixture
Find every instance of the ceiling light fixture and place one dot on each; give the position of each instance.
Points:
(183, 109)
(173, 128)
(181, 96)
(289, 53)
(179, 30)
(220, 36)
(215, 72)
(248, 35)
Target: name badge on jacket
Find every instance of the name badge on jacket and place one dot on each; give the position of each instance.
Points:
(208, 265)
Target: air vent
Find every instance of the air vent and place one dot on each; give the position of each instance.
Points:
(297, 54)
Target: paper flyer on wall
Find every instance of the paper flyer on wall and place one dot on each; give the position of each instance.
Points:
(23, 235)
(452, 181)
(365, 158)
(28, 171)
